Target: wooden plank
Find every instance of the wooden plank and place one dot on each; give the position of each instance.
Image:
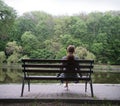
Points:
(54, 66)
(57, 71)
(56, 61)
(56, 78)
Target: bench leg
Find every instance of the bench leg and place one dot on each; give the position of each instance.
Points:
(86, 86)
(29, 85)
(23, 83)
(91, 86)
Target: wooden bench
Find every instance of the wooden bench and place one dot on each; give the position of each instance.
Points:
(52, 67)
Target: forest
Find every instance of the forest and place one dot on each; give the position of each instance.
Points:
(37, 34)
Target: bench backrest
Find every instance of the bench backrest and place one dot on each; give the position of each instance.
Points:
(57, 66)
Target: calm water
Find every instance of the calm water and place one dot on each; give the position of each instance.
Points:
(102, 74)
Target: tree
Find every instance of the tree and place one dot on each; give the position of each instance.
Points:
(40, 34)
(62, 25)
(109, 25)
(12, 47)
(42, 54)
(39, 23)
(53, 45)
(83, 53)
(61, 53)
(7, 17)
(44, 29)
(78, 27)
(29, 43)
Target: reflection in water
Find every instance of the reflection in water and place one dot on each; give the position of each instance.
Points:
(10, 73)
(13, 74)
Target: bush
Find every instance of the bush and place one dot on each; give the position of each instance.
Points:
(2, 57)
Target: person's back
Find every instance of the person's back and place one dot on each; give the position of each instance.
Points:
(71, 66)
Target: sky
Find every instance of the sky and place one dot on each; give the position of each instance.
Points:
(63, 7)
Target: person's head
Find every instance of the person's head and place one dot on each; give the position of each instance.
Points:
(71, 49)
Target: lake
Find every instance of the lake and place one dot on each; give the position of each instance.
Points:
(102, 74)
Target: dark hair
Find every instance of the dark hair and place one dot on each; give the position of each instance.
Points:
(70, 57)
(70, 50)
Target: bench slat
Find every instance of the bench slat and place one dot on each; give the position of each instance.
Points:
(52, 66)
(55, 61)
(56, 78)
(58, 71)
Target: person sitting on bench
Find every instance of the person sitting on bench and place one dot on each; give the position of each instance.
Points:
(70, 56)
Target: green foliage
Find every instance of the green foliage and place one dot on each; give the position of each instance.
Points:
(12, 47)
(24, 57)
(44, 29)
(90, 56)
(7, 17)
(13, 52)
(53, 45)
(78, 27)
(61, 53)
(98, 49)
(93, 32)
(29, 43)
(42, 54)
(62, 25)
(69, 40)
(2, 57)
(97, 32)
(83, 53)
(65, 38)
(14, 58)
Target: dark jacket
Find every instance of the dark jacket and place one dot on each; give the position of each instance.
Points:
(70, 68)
